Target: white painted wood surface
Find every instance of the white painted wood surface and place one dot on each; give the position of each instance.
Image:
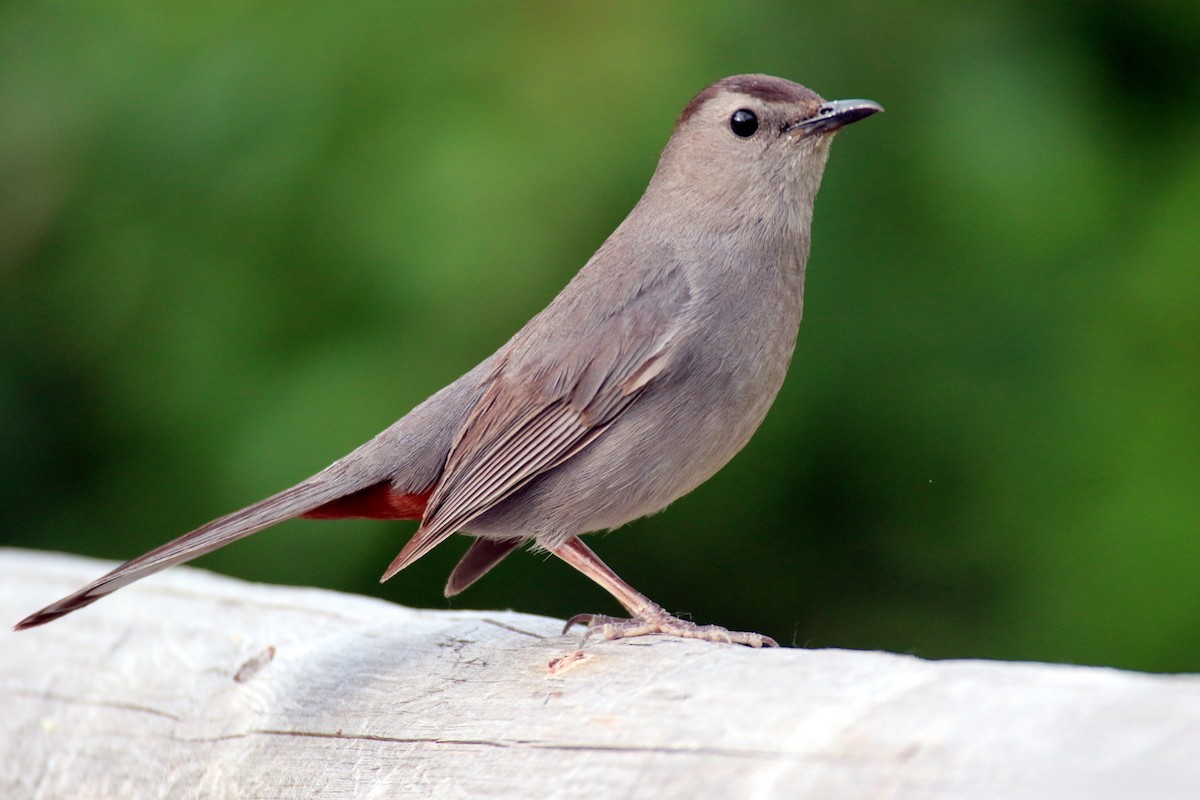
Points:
(194, 685)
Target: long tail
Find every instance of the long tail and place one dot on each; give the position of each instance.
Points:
(389, 477)
(327, 486)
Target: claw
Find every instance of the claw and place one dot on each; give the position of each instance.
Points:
(578, 619)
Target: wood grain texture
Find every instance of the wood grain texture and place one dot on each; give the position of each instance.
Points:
(194, 685)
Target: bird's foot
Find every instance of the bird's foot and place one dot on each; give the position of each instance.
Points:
(657, 620)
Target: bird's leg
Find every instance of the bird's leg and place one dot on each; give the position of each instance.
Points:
(645, 616)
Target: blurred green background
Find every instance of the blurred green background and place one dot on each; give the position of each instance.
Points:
(236, 240)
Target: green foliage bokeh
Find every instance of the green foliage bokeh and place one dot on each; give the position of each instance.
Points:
(236, 240)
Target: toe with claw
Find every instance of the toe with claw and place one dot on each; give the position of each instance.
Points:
(659, 621)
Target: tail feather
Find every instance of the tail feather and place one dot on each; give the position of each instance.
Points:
(312, 493)
(389, 477)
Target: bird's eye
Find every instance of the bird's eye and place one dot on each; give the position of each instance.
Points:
(744, 122)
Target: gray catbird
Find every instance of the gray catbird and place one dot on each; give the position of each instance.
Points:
(650, 370)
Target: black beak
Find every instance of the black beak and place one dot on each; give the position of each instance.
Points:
(834, 114)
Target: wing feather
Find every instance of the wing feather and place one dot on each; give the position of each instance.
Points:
(543, 405)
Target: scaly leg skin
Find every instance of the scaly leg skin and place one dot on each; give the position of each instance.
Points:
(645, 615)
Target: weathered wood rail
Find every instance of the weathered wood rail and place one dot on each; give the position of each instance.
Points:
(195, 685)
